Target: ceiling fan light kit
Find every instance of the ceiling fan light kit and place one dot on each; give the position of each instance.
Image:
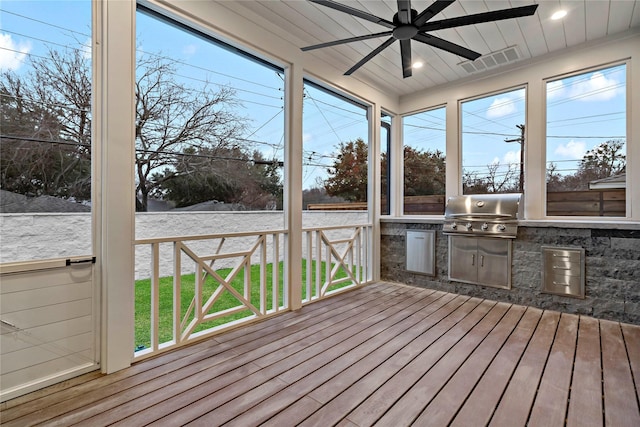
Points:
(407, 24)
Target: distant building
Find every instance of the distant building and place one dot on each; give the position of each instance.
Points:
(609, 183)
(19, 203)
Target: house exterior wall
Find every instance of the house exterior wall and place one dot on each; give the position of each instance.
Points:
(612, 265)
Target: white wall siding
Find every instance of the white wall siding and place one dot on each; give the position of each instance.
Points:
(41, 236)
(48, 324)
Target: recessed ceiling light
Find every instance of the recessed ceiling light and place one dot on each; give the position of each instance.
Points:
(417, 64)
(559, 15)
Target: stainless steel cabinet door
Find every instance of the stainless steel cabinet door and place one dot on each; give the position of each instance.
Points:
(463, 254)
(421, 251)
(494, 267)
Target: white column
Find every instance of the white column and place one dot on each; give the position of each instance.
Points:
(535, 147)
(633, 136)
(113, 136)
(293, 183)
(373, 199)
(396, 157)
(454, 158)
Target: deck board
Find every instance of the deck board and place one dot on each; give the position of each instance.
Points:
(585, 404)
(444, 406)
(481, 403)
(384, 354)
(621, 409)
(515, 406)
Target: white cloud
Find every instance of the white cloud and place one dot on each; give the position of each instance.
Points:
(511, 158)
(306, 137)
(598, 88)
(12, 54)
(86, 48)
(571, 150)
(189, 50)
(555, 90)
(501, 107)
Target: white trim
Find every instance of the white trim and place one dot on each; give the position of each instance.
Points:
(292, 205)
(114, 136)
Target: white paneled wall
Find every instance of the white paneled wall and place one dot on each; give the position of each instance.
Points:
(48, 320)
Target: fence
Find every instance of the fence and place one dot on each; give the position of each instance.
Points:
(587, 203)
(559, 203)
(413, 205)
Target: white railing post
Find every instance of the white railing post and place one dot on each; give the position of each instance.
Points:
(155, 295)
(263, 274)
(177, 289)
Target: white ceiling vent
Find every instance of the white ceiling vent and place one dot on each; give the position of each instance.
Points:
(491, 60)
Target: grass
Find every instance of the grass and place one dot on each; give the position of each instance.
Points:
(226, 300)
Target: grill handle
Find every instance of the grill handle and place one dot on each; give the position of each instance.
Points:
(479, 215)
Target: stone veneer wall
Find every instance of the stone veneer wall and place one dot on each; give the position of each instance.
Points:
(612, 262)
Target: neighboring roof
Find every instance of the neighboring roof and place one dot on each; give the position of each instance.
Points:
(154, 205)
(611, 182)
(19, 203)
(212, 205)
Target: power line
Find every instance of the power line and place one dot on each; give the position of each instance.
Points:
(44, 23)
(139, 150)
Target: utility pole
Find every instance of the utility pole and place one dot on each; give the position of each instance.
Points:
(521, 142)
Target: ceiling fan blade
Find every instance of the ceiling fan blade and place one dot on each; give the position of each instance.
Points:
(373, 53)
(405, 54)
(435, 8)
(355, 12)
(349, 40)
(404, 11)
(448, 46)
(496, 15)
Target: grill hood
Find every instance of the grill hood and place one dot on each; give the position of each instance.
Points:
(483, 214)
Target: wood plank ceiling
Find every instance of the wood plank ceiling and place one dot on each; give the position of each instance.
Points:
(304, 23)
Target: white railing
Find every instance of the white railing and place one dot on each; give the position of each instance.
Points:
(226, 282)
(336, 259)
(200, 285)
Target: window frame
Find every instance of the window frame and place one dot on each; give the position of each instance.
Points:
(524, 86)
(629, 162)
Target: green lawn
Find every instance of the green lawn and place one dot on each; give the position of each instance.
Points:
(226, 301)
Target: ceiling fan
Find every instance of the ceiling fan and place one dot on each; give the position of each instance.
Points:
(409, 25)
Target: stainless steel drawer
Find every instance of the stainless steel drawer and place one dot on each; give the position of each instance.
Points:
(563, 271)
(553, 255)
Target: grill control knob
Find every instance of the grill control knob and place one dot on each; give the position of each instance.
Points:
(485, 226)
(501, 227)
(454, 226)
(468, 225)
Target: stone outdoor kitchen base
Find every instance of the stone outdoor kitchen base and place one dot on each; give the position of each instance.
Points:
(612, 266)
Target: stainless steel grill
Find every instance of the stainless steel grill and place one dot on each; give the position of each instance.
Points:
(490, 215)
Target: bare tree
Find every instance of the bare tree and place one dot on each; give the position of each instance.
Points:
(46, 124)
(495, 181)
(170, 117)
(46, 127)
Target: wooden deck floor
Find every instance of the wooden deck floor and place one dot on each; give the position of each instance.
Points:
(385, 354)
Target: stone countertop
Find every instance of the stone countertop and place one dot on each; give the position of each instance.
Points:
(563, 223)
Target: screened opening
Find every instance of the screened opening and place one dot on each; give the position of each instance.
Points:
(424, 147)
(45, 130)
(493, 138)
(586, 144)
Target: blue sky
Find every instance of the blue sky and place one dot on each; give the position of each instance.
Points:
(582, 111)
